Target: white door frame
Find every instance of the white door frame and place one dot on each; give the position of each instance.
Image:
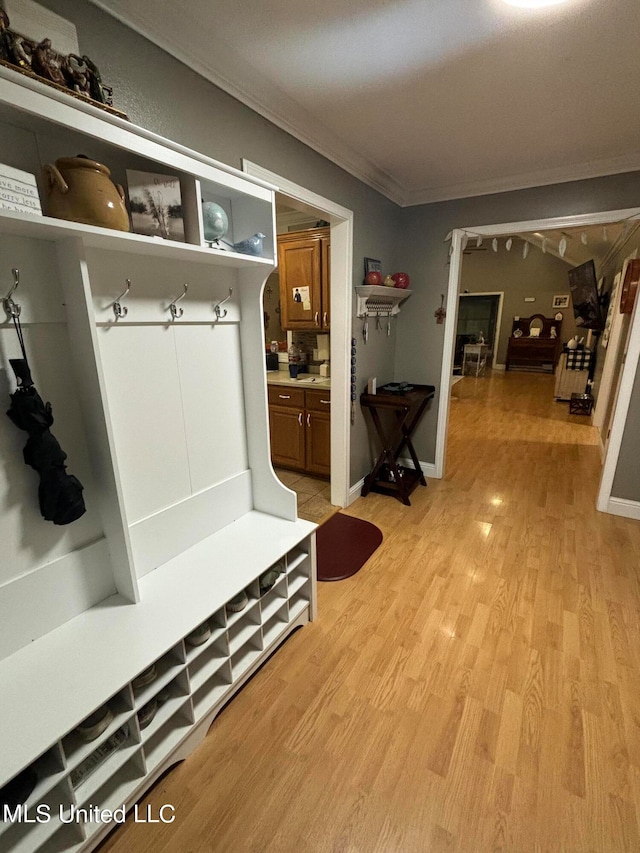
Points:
(341, 222)
(494, 343)
(633, 355)
(608, 379)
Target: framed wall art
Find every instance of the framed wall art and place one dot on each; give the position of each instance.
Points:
(560, 301)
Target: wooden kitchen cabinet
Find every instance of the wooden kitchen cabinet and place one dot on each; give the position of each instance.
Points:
(304, 263)
(286, 424)
(300, 425)
(318, 426)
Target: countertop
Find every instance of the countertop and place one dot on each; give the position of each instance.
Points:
(306, 380)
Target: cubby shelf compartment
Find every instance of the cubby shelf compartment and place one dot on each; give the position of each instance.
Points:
(67, 838)
(274, 626)
(218, 638)
(173, 696)
(243, 659)
(212, 691)
(243, 631)
(25, 837)
(273, 600)
(167, 667)
(76, 750)
(296, 558)
(207, 664)
(296, 582)
(19, 836)
(118, 787)
(253, 596)
(299, 602)
(168, 736)
(86, 790)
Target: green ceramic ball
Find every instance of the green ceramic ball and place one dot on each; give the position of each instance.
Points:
(215, 221)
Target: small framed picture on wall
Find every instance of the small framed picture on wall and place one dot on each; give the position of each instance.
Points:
(560, 301)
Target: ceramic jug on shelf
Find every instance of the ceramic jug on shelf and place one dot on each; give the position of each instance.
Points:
(573, 343)
(81, 190)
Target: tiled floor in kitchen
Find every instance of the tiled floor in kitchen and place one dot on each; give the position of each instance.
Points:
(313, 495)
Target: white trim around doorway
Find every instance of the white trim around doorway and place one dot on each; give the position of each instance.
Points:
(604, 501)
(341, 222)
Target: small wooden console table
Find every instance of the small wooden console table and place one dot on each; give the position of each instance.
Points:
(386, 476)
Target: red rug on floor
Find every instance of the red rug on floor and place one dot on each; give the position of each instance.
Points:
(344, 544)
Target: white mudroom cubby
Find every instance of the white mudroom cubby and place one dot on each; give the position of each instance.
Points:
(163, 416)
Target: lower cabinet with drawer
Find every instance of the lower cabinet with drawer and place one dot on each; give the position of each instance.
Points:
(300, 424)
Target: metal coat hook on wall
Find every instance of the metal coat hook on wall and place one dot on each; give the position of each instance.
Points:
(220, 315)
(173, 307)
(120, 310)
(12, 308)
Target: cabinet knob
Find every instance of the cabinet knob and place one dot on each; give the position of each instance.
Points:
(326, 402)
(299, 418)
(284, 396)
(308, 419)
(317, 318)
(325, 319)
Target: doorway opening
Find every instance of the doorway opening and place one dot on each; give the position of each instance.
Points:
(541, 232)
(340, 221)
(479, 320)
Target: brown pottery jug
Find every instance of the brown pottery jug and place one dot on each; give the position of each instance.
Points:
(82, 190)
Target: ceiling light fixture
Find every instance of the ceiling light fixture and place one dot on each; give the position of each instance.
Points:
(534, 4)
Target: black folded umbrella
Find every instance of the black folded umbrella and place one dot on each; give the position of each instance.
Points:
(59, 493)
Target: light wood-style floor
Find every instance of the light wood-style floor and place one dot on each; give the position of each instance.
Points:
(475, 687)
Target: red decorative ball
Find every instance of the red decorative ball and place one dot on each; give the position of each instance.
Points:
(401, 280)
(373, 277)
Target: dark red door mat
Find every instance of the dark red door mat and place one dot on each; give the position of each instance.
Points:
(344, 544)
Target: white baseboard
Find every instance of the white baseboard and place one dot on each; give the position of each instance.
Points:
(428, 468)
(354, 492)
(623, 507)
(499, 366)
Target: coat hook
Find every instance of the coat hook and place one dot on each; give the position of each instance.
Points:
(118, 309)
(12, 308)
(220, 315)
(173, 307)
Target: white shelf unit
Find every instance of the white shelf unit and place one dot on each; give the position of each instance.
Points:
(165, 423)
(377, 300)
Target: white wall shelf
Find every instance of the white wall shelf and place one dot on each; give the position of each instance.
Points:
(165, 422)
(376, 300)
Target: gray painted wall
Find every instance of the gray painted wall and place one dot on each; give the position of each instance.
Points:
(540, 275)
(163, 95)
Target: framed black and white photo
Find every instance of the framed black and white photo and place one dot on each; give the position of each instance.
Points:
(560, 301)
(371, 265)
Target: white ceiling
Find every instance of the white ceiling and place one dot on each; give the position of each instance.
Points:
(425, 100)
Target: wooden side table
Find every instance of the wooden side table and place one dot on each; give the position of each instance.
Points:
(387, 477)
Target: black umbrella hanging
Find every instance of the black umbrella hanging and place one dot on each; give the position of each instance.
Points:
(59, 493)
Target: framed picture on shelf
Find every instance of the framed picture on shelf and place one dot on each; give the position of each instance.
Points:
(561, 301)
(155, 202)
(371, 265)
